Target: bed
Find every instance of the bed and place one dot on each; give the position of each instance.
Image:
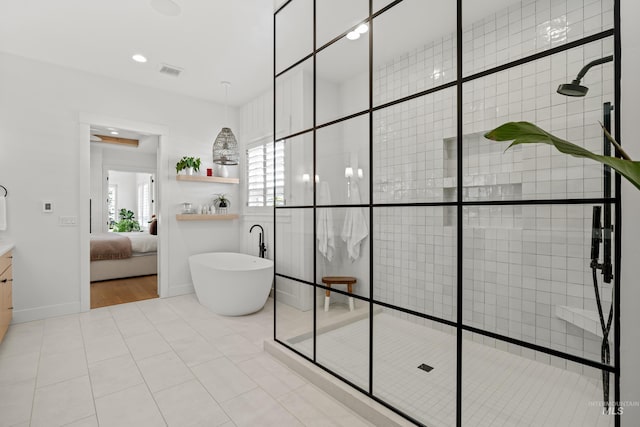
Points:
(121, 255)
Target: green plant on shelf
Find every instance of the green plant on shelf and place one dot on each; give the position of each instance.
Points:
(221, 201)
(188, 162)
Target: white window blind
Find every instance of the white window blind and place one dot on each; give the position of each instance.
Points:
(111, 205)
(263, 186)
(144, 205)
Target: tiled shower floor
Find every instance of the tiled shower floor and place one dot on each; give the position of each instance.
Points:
(499, 388)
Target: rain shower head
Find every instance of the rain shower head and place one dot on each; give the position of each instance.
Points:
(575, 88)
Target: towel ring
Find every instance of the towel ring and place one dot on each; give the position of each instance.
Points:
(5, 190)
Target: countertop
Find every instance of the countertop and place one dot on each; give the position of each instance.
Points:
(5, 246)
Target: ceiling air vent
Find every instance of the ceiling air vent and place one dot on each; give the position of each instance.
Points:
(170, 70)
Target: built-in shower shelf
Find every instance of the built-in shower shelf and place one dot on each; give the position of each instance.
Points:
(203, 178)
(583, 319)
(484, 180)
(198, 217)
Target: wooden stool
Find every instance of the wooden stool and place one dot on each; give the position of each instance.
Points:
(338, 280)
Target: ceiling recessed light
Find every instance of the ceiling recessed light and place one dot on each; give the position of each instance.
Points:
(362, 28)
(353, 35)
(139, 58)
(113, 132)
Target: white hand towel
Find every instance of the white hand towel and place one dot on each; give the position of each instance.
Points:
(3, 213)
(324, 230)
(354, 229)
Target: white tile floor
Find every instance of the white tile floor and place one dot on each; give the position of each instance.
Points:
(499, 388)
(155, 363)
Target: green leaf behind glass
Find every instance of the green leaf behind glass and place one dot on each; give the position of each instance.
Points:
(528, 133)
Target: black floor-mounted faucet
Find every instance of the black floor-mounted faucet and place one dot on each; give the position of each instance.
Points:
(262, 248)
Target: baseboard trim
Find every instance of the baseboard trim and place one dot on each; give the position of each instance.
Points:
(362, 405)
(174, 291)
(39, 313)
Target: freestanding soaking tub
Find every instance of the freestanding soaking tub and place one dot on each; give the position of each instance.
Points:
(231, 284)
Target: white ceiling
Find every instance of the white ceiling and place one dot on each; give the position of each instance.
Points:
(212, 40)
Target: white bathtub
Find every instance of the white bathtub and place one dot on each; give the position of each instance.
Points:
(229, 283)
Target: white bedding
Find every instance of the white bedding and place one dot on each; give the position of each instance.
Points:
(142, 242)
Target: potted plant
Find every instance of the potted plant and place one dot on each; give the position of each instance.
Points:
(188, 164)
(127, 222)
(221, 202)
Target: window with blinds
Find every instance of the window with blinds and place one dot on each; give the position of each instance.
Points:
(112, 197)
(263, 186)
(144, 205)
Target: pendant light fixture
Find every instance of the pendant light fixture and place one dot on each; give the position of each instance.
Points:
(225, 147)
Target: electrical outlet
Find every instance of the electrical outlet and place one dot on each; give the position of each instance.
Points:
(68, 221)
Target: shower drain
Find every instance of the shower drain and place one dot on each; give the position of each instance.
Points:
(425, 367)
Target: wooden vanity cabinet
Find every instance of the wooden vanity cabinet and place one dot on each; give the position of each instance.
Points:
(6, 298)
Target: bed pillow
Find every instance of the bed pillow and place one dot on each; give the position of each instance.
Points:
(153, 227)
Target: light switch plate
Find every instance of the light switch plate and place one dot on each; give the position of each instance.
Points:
(47, 206)
(68, 221)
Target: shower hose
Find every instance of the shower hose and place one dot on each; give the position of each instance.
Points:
(606, 328)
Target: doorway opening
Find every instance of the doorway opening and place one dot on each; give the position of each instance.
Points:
(123, 216)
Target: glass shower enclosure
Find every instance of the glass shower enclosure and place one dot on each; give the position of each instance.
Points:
(471, 295)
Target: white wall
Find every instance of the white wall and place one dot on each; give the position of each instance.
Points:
(630, 289)
(98, 199)
(39, 111)
(126, 197)
(126, 158)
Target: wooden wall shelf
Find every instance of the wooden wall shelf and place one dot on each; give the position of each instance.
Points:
(204, 178)
(198, 217)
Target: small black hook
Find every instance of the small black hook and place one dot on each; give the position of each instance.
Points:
(5, 190)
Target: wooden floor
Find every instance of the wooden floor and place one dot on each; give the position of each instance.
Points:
(112, 292)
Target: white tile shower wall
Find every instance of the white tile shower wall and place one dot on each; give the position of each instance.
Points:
(519, 262)
(529, 27)
(410, 72)
(408, 156)
(528, 93)
(415, 263)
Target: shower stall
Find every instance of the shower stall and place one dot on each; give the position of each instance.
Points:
(470, 297)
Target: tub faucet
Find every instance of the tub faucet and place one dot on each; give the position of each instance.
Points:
(262, 248)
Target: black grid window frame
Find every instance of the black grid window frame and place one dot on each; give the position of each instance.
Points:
(459, 204)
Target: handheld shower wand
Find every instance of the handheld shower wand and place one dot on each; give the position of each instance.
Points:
(596, 236)
(596, 239)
